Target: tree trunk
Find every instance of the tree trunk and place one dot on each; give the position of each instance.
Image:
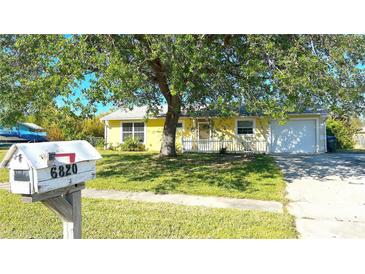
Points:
(168, 147)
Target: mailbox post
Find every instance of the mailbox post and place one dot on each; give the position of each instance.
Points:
(53, 173)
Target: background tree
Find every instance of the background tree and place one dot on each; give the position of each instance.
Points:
(344, 130)
(61, 124)
(91, 127)
(270, 74)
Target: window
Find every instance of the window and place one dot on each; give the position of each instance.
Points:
(179, 126)
(245, 127)
(134, 130)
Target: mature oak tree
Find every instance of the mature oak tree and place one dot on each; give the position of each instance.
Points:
(270, 74)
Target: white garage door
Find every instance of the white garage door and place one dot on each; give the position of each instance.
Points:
(296, 136)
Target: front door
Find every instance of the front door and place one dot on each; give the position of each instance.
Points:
(204, 136)
(204, 131)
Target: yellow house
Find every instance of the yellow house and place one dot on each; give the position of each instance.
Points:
(302, 133)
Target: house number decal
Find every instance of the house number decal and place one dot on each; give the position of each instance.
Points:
(62, 171)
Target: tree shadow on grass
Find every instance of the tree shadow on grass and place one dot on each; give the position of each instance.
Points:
(167, 186)
(236, 175)
(227, 172)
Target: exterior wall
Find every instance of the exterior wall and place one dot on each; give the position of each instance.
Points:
(113, 133)
(154, 129)
(226, 128)
(322, 134)
(221, 129)
(154, 134)
(262, 129)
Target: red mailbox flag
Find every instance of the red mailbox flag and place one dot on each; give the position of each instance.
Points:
(71, 156)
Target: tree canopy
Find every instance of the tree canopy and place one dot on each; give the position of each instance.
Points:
(270, 74)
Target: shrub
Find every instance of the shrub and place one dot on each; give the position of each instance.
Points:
(112, 147)
(344, 132)
(91, 127)
(223, 150)
(179, 148)
(95, 141)
(54, 133)
(131, 144)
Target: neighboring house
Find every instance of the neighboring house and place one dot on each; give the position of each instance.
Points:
(303, 132)
(22, 133)
(359, 139)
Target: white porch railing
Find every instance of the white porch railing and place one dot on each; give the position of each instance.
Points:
(236, 146)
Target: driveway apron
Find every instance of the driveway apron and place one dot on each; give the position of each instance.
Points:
(326, 194)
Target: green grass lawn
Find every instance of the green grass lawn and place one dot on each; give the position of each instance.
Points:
(238, 176)
(106, 219)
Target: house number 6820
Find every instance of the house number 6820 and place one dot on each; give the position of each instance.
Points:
(62, 171)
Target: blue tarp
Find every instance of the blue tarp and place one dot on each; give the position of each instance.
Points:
(24, 134)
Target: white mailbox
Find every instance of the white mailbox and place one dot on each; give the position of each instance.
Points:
(42, 167)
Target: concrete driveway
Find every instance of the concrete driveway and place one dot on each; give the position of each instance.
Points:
(326, 194)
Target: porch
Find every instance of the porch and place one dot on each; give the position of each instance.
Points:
(229, 146)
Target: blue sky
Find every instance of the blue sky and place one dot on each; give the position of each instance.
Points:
(85, 84)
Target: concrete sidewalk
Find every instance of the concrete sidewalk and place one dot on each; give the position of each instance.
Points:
(183, 199)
